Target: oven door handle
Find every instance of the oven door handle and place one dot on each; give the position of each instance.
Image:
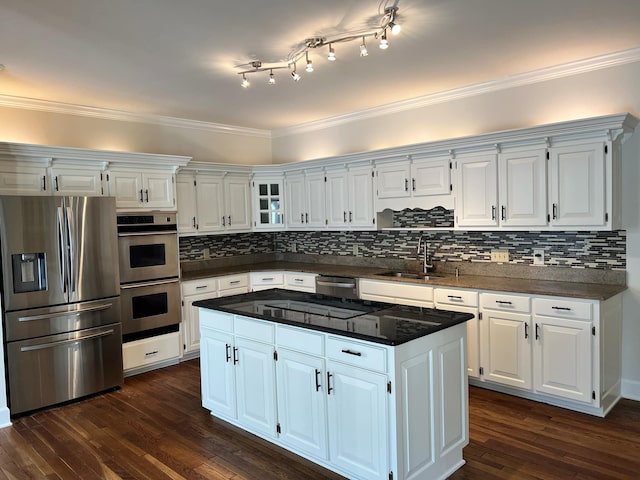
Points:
(149, 284)
(42, 346)
(45, 316)
(335, 284)
(141, 234)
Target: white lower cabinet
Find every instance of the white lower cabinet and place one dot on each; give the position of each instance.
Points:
(396, 292)
(362, 409)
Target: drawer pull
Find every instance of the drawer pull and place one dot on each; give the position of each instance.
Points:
(200, 287)
(299, 279)
(235, 355)
(148, 354)
(317, 380)
(351, 352)
(503, 302)
(234, 282)
(537, 331)
(227, 349)
(457, 298)
(267, 279)
(564, 309)
(526, 330)
(329, 387)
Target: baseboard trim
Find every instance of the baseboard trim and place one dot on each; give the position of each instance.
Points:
(631, 390)
(5, 417)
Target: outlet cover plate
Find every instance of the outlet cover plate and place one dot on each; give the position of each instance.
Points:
(500, 256)
(538, 256)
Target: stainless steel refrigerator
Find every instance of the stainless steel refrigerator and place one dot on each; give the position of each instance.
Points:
(60, 292)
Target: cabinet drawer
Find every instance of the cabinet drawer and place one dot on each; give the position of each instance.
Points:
(232, 281)
(506, 302)
(561, 307)
(150, 350)
(399, 290)
(267, 278)
(357, 354)
(300, 340)
(216, 320)
(254, 329)
(303, 281)
(456, 297)
(206, 285)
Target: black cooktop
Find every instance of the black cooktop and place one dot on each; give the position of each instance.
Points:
(373, 321)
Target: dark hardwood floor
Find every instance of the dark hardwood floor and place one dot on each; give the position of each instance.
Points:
(154, 428)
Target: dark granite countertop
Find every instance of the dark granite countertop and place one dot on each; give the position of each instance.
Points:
(376, 322)
(593, 291)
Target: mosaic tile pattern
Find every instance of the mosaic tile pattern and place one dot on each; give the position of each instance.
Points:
(599, 250)
(436, 217)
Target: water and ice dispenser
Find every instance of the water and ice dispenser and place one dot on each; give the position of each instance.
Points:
(29, 272)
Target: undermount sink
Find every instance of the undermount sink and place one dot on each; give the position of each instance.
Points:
(418, 276)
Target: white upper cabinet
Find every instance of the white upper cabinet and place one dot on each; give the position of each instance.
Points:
(578, 176)
(237, 201)
(200, 202)
(392, 179)
(146, 190)
(305, 197)
(268, 202)
(430, 176)
(349, 197)
(523, 188)
(476, 191)
(16, 179)
(77, 181)
(187, 206)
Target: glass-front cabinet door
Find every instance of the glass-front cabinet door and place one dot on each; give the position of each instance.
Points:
(268, 200)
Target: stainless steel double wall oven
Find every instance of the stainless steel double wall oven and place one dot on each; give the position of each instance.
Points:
(149, 283)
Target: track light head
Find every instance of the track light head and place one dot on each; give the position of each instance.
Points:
(296, 77)
(272, 79)
(363, 49)
(384, 43)
(309, 67)
(245, 83)
(332, 54)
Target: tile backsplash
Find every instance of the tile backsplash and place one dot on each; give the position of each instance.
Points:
(584, 249)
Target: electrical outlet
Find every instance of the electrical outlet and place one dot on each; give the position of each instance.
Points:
(538, 256)
(355, 249)
(500, 256)
(294, 247)
(206, 253)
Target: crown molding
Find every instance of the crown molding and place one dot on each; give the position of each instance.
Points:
(108, 114)
(528, 78)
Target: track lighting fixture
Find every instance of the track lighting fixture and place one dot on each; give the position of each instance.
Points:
(309, 64)
(388, 22)
(384, 43)
(296, 77)
(363, 48)
(332, 53)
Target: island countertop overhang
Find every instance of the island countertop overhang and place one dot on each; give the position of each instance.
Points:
(376, 322)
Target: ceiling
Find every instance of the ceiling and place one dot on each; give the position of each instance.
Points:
(178, 58)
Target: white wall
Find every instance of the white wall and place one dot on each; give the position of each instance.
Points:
(64, 130)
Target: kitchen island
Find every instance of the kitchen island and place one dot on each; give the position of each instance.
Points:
(366, 389)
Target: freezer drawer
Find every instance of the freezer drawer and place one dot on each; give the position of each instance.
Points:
(50, 370)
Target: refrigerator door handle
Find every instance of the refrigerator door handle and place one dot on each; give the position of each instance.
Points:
(42, 346)
(71, 250)
(80, 311)
(61, 250)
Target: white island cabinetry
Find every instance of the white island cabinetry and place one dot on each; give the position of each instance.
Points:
(362, 409)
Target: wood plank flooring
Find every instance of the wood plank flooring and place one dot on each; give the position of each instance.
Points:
(154, 428)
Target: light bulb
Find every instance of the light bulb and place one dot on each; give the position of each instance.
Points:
(332, 54)
(309, 64)
(296, 77)
(363, 49)
(395, 28)
(245, 83)
(384, 43)
(272, 79)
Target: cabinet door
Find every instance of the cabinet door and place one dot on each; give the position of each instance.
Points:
(315, 195)
(302, 412)
(506, 349)
(578, 178)
(210, 201)
(562, 358)
(191, 321)
(76, 181)
(392, 179)
(126, 186)
(476, 192)
(186, 203)
(16, 180)
(296, 201)
(360, 193)
(218, 373)
(523, 188)
(256, 386)
(158, 190)
(358, 421)
(268, 201)
(237, 203)
(431, 177)
(337, 203)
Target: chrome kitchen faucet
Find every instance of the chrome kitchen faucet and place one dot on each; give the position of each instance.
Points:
(426, 264)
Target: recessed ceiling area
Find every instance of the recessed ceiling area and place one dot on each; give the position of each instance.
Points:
(179, 59)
